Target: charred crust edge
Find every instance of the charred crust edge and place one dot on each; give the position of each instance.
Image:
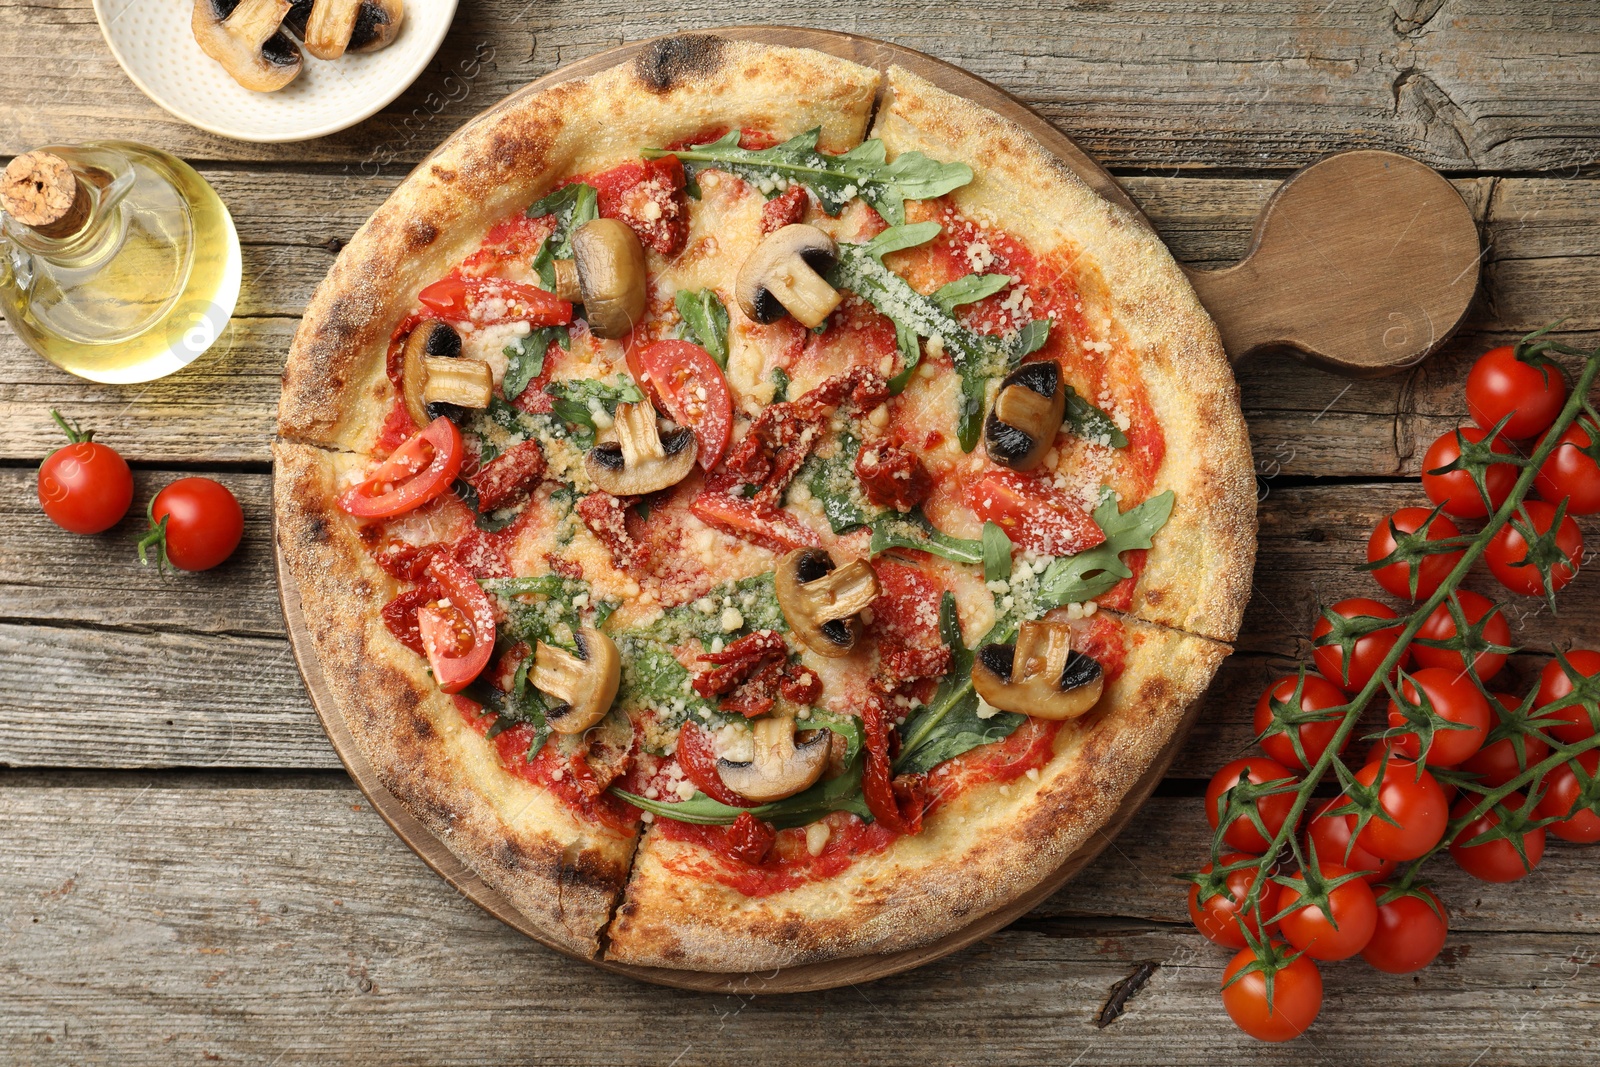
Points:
(668, 62)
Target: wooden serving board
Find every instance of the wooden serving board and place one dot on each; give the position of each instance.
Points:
(1284, 262)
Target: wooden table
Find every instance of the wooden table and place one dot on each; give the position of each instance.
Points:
(189, 876)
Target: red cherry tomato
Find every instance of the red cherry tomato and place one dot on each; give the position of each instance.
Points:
(458, 628)
(491, 301)
(415, 473)
(1410, 932)
(694, 392)
(1340, 931)
(1455, 699)
(195, 522)
(1218, 917)
(1033, 513)
(1509, 549)
(1569, 724)
(1500, 384)
(1316, 694)
(84, 487)
(1434, 568)
(1410, 796)
(1494, 861)
(1274, 809)
(1562, 800)
(1331, 835)
(1296, 998)
(1570, 474)
(1369, 651)
(1496, 763)
(1441, 626)
(1455, 489)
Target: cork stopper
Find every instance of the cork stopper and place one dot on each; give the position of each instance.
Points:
(40, 191)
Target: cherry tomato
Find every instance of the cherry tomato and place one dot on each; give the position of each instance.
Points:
(458, 628)
(1441, 626)
(1369, 651)
(1296, 998)
(1218, 917)
(1340, 931)
(1562, 800)
(1455, 699)
(1274, 809)
(1455, 489)
(1434, 568)
(1331, 835)
(1508, 550)
(694, 392)
(1316, 694)
(1494, 861)
(1569, 724)
(1410, 796)
(195, 522)
(1570, 474)
(415, 473)
(1496, 763)
(490, 301)
(1500, 384)
(1410, 932)
(1033, 513)
(84, 487)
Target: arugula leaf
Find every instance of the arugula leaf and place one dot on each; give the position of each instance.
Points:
(780, 384)
(969, 290)
(913, 530)
(899, 238)
(525, 357)
(836, 180)
(705, 321)
(550, 618)
(1090, 423)
(523, 704)
(575, 400)
(832, 481)
(572, 205)
(996, 553)
(837, 794)
(1088, 574)
(949, 723)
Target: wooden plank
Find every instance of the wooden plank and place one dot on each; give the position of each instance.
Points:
(1268, 85)
(154, 924)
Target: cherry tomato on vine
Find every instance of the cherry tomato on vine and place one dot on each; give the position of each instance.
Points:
(1331, 836)
(195, 522)
(1562, 800)
(1569, 474)
(1433, 569)
(1500, 384)
(1496, 763)
(1316, 694)
(1296, 998)
(1496, 860)
(1454, 699)
(691, 386)
(1273, 809)
(1410, 796)
(1455, 489)
(1369, 650)
(1441, 626)
(1410, 932)
(1337, 932)
(85, 487)
(1569, 724)
(1219, 917)
(1509, 549)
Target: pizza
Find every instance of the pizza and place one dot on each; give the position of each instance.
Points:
(755, 509)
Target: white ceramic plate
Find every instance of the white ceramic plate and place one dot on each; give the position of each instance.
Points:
(153, 42)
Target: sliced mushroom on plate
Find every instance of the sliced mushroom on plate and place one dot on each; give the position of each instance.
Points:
(330, 28)
(245, 36)
(784, 762)
(1027, 413)
(1040, 675)
(606, 274)
(821, 602)
(586, 684)
(785, 275)
(640, 460)
(432, 373)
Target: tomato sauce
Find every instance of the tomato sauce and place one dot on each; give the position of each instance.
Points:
(551, 771)
(790, 864)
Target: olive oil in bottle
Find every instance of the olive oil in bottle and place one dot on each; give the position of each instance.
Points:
(117, 261)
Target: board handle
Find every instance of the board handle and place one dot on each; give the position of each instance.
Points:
(1363, 263)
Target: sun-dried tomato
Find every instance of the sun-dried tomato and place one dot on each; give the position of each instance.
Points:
(784, 210)
(800, 685)
(896, 801)
(405, 561)
(567, 568)
(400, 615)
(891, 477)
(748, 839)
(737, 662)
(509, 476)
(606, 517)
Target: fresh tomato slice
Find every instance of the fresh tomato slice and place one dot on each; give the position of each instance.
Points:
(1033, 513)
(414, 474)
(699, 765)
(458, 628)
(691, 386)
(489, 301)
